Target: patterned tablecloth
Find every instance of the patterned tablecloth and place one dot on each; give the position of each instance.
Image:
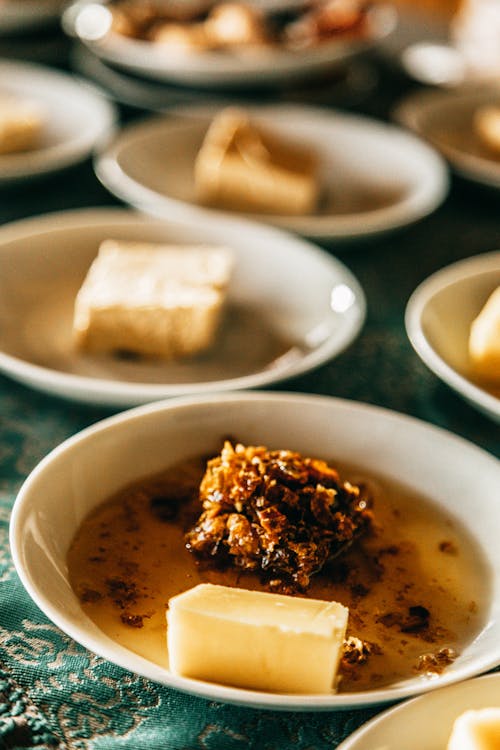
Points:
(54, 693)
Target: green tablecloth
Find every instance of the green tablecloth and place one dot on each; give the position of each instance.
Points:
(53, 693)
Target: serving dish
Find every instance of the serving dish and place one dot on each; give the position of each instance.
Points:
(292, 304)
(77, 118)
(150, 165)
(445, 120)
(91, 22)
(438, 318)
(457, 477)
(425, 721)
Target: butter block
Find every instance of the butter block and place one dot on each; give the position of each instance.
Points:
(21, 124)
(152, 299)
(244, 167)
(487, 126)
(484, 339)
(256, 640)
(476, 730)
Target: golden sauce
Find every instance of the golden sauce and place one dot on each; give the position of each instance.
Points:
(126, 562)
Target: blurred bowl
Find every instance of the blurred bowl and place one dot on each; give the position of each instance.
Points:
(438, 318)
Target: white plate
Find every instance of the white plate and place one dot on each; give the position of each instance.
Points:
(455, 475)
(425, 722)
(438, 318)
(375, 177)
(351, 85)
(293, 307)
(77, 119)
(445, 119)
(25, 15)
(90, 22)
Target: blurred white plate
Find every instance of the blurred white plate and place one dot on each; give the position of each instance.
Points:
(350, 85)
(456, 476)
(425, 722)
(445, 119)
(77, 119)
(375, 177)
(25, 15)
(90, 22)
(292, 307)
(438, 318)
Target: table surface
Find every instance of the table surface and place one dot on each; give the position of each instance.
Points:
(53, 693)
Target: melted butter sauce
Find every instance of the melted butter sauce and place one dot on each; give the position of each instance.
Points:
(126, 561)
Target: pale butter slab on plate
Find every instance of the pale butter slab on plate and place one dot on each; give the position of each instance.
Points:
(76, 119)
(373, 177)
(454, 476)
(291, 307)
(438, 317)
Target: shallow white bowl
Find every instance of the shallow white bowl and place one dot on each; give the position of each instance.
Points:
(456, 476)
(282, 289)
(438, 318)
(77, 119)
(89, 21)
(374, 177)
(427, 721)
(446, 120)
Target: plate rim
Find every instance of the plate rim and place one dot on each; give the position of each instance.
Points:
(421, 202)
(418, 300)
(128, 393)
(214, 691)
(350, 742)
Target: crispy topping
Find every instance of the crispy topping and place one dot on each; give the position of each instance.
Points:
(355, 652)
(276, 512)
(435, 663)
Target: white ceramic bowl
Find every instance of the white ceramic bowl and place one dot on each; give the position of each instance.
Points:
(90, 22)
(427, 721)
(77, 119)
(374, 177)
(438, 317)
(291, 308)
(456, 476)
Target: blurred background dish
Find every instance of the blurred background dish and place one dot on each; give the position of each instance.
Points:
(293, 305)
(449, 121)
(439, 315)
(347, 85)
(74, 119)
(177, 57)
(456, 44)
(425, 721)
(151, 166)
